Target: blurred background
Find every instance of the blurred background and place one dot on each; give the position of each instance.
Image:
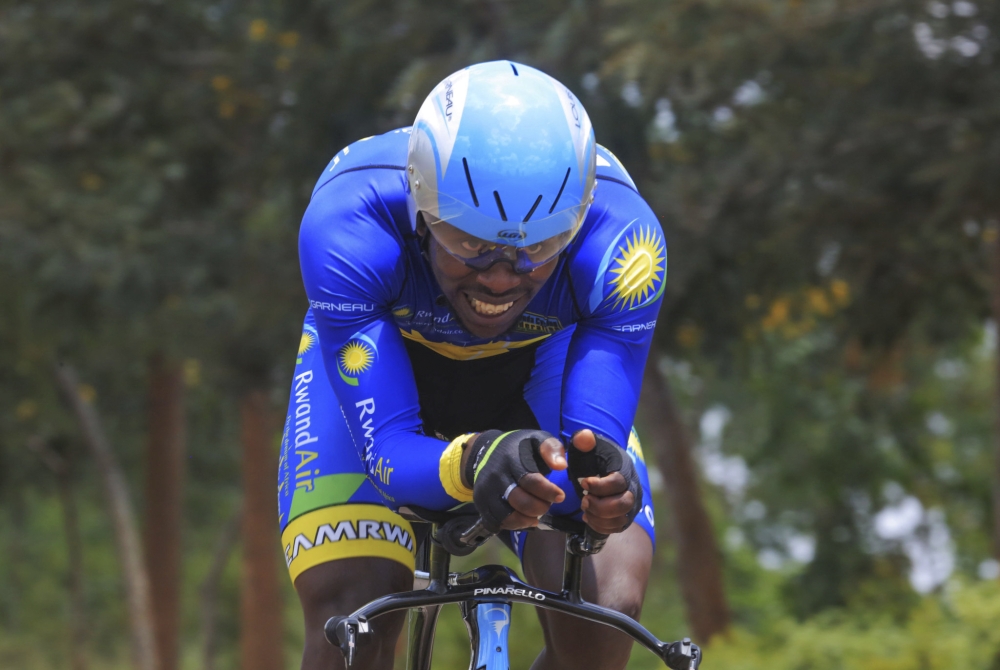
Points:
(820, 408)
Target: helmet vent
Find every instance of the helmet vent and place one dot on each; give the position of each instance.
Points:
(559, 194)
(503, 214)
(514, 69)
(472, 189)
(533, 208)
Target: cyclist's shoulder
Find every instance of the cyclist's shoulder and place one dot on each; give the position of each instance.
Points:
(619, 261)
(618, 206)
(610, 169)
(375, 154)
(357, 217)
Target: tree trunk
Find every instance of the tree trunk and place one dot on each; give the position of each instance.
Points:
(996, 410)
(137, 594)
(63, 472)
(210, 589)
(260, 595)
(699, 561)
(164, 502)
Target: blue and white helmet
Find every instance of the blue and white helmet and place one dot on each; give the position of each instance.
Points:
(504, 153)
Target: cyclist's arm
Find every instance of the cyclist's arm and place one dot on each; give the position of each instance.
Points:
(602, 383)
(352, 271)
(619, 271)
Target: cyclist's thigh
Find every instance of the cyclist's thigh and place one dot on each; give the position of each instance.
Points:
(328, 510)
(615, 578)
(339, 588)
(343, 547)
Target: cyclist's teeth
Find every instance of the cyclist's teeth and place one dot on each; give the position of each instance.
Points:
(487, 309)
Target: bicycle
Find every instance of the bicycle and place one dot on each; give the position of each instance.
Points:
(486, 595)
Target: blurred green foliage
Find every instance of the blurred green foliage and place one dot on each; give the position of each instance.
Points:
(955, 630)
(826, 175)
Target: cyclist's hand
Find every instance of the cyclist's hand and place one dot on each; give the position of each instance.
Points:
(611, 498)
(507, 472)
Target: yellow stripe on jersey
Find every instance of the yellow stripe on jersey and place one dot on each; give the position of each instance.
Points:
(347, 531)
(457, 352)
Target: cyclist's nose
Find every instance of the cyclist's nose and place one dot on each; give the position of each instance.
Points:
(500, 278)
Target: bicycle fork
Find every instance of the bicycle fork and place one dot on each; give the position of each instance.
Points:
(488, 623)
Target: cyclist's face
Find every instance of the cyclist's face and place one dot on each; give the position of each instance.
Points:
(487, 302)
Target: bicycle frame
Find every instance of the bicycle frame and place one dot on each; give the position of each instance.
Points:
(488, 646)
(481, 592)
(488, 623)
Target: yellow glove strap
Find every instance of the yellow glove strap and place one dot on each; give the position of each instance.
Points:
(450, 470)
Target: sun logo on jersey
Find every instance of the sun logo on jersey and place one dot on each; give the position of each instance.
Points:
(306, 343)
(638, 278)
(356, 357)
(634, 448)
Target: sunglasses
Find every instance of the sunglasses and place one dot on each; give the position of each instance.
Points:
(481, 255)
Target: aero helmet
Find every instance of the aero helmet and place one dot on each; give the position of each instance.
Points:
(501, 164)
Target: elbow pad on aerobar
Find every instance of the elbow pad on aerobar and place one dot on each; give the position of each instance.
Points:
(496, 464)
(601, 461)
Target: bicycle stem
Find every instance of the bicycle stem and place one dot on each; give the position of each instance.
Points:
(440, 564)
(572, 576)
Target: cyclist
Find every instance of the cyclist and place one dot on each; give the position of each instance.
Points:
(489, 269)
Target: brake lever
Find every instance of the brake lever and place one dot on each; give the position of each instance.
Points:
(682, 655)
(348, 633)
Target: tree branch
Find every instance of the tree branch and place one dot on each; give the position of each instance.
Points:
(122, 519)
(699, 560)
(228, 538)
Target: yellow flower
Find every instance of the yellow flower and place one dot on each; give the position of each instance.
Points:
(288, 39)
(818, 302)
(221, 82)
(777, 315)
(87, 392)
(91, 181)
(192, 372)
(688, 335)
(283, 63)
(227, 109)
(258, 29)
(990, 234)
(26, 409)
(841, 292)
(795, 329)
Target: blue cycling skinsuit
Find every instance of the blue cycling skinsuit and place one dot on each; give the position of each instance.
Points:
(386, 375)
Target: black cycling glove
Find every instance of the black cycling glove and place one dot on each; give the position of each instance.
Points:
(601, 461)
(496, 464)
